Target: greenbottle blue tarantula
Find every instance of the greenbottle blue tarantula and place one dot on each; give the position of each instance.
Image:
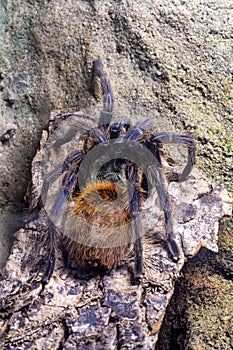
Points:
(132, 165)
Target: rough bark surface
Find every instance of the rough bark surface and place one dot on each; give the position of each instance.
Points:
(112, 310)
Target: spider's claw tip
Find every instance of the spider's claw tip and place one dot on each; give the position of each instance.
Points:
(137, 275)
(176, 258)
(137, 272)
(174, 250)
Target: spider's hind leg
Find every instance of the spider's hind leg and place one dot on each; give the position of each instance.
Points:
(51, 258)
(135, 205)
(157, 180)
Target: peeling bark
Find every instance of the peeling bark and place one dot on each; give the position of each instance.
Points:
(110, 310)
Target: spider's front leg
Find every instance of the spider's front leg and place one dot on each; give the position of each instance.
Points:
(187, 140)
(135, 205)
(108, 99)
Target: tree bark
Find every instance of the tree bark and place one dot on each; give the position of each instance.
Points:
(111, 310)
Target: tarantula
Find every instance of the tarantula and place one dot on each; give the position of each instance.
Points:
(104, 213)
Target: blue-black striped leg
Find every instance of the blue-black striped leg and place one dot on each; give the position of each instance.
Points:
(34, 212)
(70, 163)
(157, 180)
(186, 140)
(33, 215)
(138, 131)
(70, 170)
(51, 258)
(135, 205)
(108, 99)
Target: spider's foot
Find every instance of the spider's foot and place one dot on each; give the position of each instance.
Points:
(174, 250)
(137, 267)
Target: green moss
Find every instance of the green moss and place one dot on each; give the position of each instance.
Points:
(212, 317)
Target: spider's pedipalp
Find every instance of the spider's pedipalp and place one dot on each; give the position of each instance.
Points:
(157, 180)
(135, 133)
(135, 206)
(179, 139)
(119, 127)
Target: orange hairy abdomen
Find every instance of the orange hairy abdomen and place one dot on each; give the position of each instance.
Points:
(100, 225)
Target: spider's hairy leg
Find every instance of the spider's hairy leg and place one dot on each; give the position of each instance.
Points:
(138, 131)
(51, 258)
(183, 140)
(95, 137)
(108, 99)
(70, 163)
(118, 127)
(135, 205)
(70, 169)
(157, 180)
(34, 212)
(73, 160)
(68, 182)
